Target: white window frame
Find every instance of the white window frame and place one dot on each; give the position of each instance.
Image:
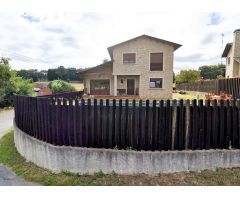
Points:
(155, 87)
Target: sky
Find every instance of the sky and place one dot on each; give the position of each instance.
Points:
(79, 38)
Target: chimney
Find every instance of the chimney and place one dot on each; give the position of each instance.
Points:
(236, 43)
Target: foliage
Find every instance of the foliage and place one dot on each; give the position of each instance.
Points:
(5, 72)
(52, 74)
(33, 74)
(60, 86)
(66, 74)
(212, 71)
(11, 84)
(15, 85)
(186, 76)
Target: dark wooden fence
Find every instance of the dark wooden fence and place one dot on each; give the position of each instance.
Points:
(141, 125)
(230, 86)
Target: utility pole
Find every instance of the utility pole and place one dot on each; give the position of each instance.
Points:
(222, 47)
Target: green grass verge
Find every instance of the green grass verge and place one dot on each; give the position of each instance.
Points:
(11, 158)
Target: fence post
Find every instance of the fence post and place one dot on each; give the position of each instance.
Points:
(187, 123)
(174, 122)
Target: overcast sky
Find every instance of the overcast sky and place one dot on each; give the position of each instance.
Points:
(80, 39)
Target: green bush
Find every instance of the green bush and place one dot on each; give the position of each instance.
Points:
(10, 84)
(15, 85)
(60, 86)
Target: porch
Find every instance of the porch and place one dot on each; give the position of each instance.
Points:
(114, 86)
(126, 85)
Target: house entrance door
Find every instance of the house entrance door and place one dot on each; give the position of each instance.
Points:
(130, 86)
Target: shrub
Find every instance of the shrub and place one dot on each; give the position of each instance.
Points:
(15, 85)
(60, 86)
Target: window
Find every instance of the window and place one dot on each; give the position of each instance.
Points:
(129, 58)
(229, 60)
(156, 61)
(155, 82)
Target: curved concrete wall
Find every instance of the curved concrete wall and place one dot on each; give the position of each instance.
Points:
(91, 160)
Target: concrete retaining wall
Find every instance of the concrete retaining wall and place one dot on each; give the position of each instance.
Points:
(91, 160)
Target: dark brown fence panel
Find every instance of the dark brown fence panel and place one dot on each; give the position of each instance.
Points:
(125, 124)
(228, 86)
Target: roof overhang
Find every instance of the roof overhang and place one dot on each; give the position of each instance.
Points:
(226, 50)
(92, 69)
(175, 45)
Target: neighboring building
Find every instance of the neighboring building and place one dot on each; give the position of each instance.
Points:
(142, 66)
(232, 55)
(41, 89)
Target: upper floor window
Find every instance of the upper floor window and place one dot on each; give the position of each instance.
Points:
(228, 61)
(129, 58)
(156, 83)
(156, 61)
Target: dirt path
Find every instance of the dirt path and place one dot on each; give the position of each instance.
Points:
(7, 177)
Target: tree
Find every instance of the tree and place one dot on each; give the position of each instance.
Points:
(52, 74)
(16, 85)
(32, 74)
(61, 72)
(212, 71)
(5, 72)
(60, 86)
(186, 76)
(11, 84)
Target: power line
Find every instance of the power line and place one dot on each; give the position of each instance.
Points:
(23, 57)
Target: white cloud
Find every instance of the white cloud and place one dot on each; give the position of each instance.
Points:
(80, 39)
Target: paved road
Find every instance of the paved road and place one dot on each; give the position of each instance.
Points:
(7, 177)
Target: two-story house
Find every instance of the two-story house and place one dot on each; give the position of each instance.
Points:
(232, 55)
(142, 66)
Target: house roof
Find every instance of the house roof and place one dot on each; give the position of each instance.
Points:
(237, 30)
(226, 50)
(92, 69)
(175, 45)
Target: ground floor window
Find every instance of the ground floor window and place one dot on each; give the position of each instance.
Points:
(100, 87)
(155, 83)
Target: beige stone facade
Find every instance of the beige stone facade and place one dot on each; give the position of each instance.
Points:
(232, 54)
(143, 47)
(138, 72)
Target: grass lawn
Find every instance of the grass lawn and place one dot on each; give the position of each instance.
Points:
(78, 86)
(11, 158)
(187, 96)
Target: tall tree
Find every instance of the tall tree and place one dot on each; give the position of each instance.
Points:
(52, 74)
(61, 72)
(5, 72)
(186, 76)
(212, 71)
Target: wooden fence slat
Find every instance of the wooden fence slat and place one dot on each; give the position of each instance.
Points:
(229, 126)
(168, 123)
(222, 120)
(109, 125)
(215, 125)
(155, 124)
(161, 128)
(209, 123)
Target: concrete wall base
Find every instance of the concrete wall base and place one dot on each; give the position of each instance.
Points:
(91, 160)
